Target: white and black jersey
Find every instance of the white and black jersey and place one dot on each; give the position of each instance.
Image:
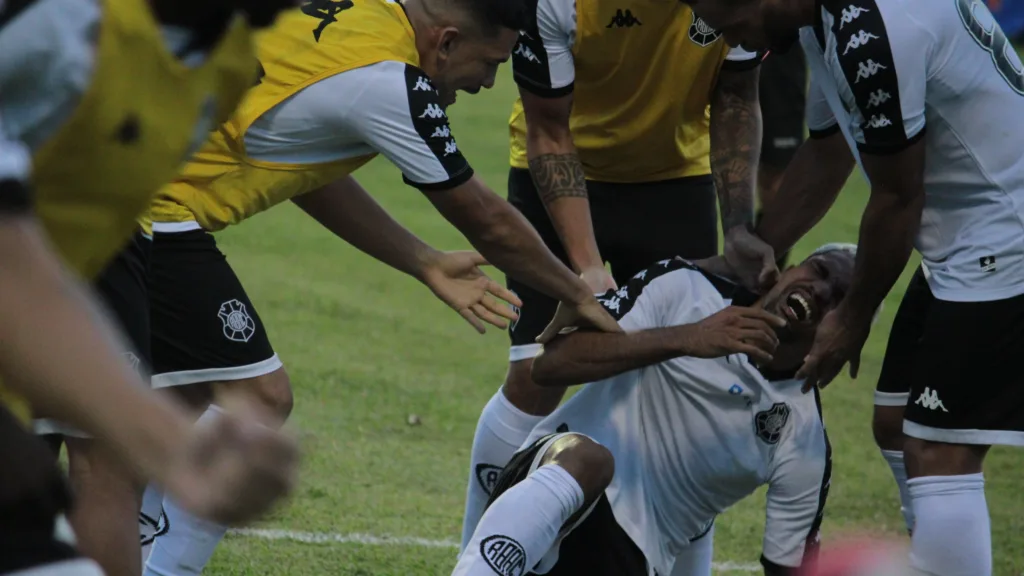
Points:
(691, 437)
(390, 108)
(891, 72)
(543, 61)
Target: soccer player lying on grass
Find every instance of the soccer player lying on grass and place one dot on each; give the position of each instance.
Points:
(687, 412)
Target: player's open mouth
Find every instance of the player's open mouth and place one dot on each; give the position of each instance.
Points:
(798, 307)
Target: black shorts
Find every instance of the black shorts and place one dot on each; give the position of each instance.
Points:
(122, 288)
(598, 546)
(783, 94)
(635, 225)
(958, 360)
(33, 496)
(205, 328)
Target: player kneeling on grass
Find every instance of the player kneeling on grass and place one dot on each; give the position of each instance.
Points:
(687, 412)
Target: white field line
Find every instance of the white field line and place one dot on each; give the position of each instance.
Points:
(375, 540)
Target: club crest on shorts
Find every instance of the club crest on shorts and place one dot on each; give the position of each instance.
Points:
(487, 476)
(519, 314)
(770, 423)
(504, 555)
(701, 34)
(238, 325)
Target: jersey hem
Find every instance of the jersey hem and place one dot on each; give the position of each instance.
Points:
(454, 182)
(976, 294)
(823, 132)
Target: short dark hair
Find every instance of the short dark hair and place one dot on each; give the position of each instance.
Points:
(490, 15)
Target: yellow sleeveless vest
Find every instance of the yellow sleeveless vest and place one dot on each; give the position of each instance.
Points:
(129, 133)
(641, 94)
(221, 186)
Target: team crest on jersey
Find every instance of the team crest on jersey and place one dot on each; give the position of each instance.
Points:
(701, 34)
(238, 325)
(487, 476)
(504, 555)
(770, 423)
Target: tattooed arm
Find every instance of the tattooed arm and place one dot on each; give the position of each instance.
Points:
(558, 175)
(735, 144)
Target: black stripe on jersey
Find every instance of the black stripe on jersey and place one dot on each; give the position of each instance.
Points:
(813, 541)
(431, 123)
(824, 132)
(863, 51)
(15, 197)
(620, 302)
(530, 61)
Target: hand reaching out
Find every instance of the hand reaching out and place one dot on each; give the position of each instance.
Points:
(456, 279)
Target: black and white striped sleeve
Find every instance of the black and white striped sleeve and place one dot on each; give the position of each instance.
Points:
(399, 114)
(652, 297)
(542, 61)
(821, 122)
(883, 55)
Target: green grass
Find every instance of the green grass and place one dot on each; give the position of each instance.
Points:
(366, 347)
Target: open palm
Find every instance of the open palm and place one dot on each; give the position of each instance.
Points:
(456, 279)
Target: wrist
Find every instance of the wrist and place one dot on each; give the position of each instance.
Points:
(424, 263)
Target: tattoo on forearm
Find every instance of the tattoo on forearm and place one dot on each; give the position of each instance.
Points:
(735, 144)
(558, 176)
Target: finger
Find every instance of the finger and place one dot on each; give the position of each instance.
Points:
(487, 316)
(499, 309)
(769, 278)
(468, 315)
(808, 372)
(552, 330)
(760, 326)
(756, 354)
(765, 316)
(601, 319)
(477, 259)
(855, 366)
(499, 291)
(760, 339)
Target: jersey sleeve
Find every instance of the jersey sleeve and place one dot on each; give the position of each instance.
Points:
(821, 122)
(542, 61)
(739, 59)
(398, 114)
(797, 490)
(883, 55)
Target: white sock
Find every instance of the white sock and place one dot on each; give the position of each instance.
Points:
(189, 542)
(151, 520)
(952, 536)
(522, 525)
(500, 432)
(899, 471)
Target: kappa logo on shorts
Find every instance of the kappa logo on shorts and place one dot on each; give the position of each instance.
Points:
(504, 555)
(770, 423)
(701, 34)
(929, 399)
(487, 476)
(238, 325)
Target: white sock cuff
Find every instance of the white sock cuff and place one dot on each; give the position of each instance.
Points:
(946, 485)
(506, 421)
(561, 484)
(893, 457)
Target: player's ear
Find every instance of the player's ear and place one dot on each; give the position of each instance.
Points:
(446, 41)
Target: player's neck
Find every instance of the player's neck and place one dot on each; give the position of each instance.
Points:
(422, 21)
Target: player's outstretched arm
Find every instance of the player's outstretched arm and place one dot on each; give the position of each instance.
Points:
(809, 187)
(346, 209)
(507, 240)
(586, 356)
(557, 173)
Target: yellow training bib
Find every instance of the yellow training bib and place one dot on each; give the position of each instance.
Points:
(221, 186)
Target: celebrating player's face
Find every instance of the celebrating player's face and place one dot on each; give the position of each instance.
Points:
(805, 293)
(470, 62)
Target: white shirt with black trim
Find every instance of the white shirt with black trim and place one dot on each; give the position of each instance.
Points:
(389, 107)
(542, 61)
(691, 437)
(891, 72)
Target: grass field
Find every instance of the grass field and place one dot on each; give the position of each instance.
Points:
(366, 347)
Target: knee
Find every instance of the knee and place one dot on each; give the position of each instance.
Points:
(887, 427)
(590, 463)
(273, 391)
(926, 458)
(525, 394)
